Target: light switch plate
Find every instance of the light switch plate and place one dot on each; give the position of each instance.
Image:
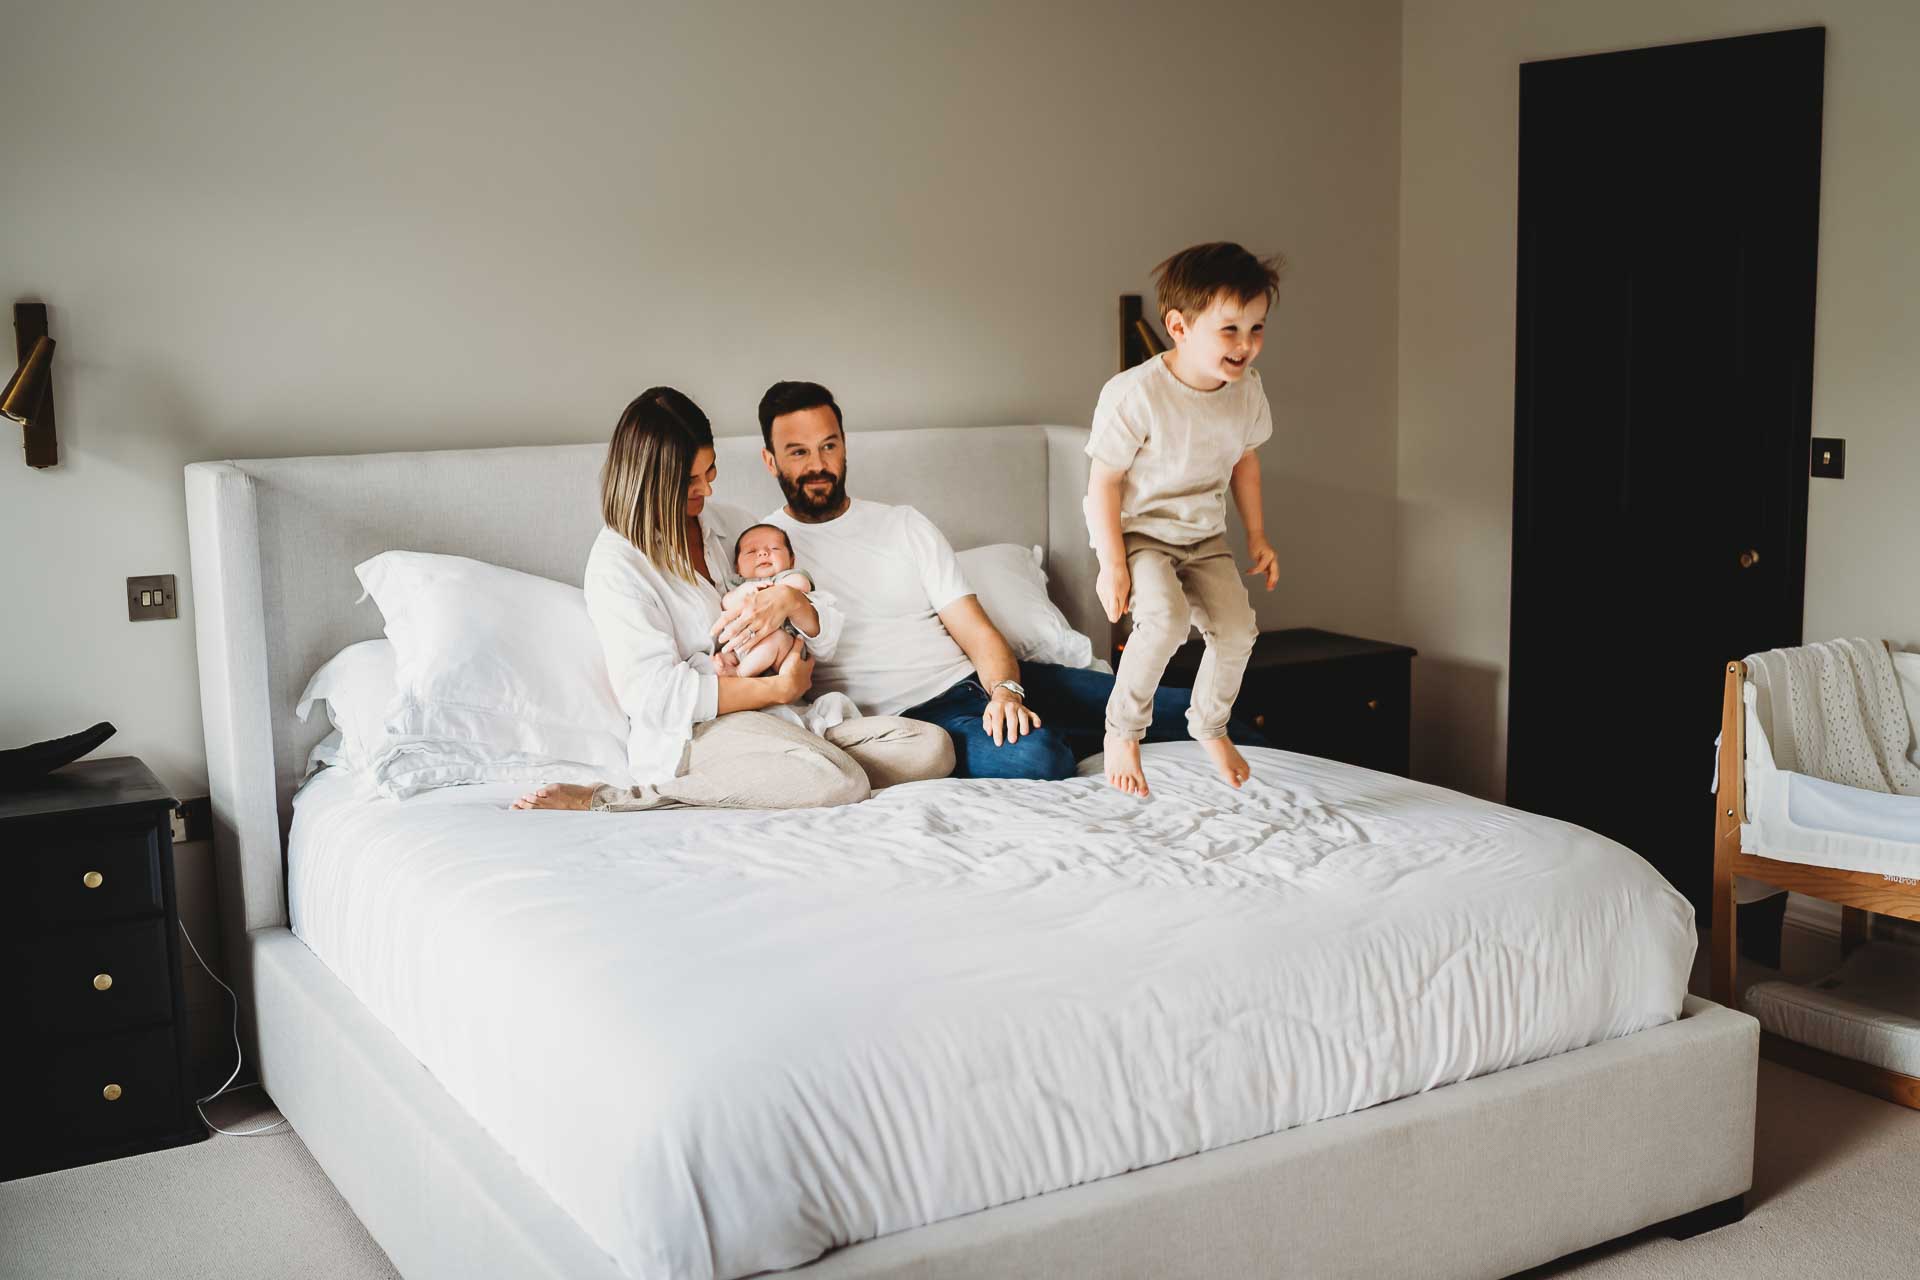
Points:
(1829, 457)
(151, 597)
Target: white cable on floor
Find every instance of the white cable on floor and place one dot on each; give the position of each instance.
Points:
(238, 1058)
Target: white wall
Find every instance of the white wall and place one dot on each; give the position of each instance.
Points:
(276, 230)
(1459, 175)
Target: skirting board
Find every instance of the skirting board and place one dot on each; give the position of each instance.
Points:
(1482, 1178)
(1815, 915)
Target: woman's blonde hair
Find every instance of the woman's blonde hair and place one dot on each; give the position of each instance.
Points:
(643, 486)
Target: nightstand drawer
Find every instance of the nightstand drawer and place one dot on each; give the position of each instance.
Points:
(1321, 693)
(98, 1091)
(93, 981)
(1355, 711)
(93, 1060)
(106, 873)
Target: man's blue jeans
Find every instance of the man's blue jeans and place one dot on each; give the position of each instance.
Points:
(1072, 706)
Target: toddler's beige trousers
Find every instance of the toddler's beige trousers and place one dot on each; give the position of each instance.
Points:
(1174, 587)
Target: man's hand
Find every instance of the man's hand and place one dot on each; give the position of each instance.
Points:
(1007, 717)
(757, 617)
(1114, 586)
(1265, 561)
(795, 676)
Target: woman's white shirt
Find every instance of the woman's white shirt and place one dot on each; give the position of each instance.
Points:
(656, 632)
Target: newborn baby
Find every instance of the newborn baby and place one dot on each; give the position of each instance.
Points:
(761, 557)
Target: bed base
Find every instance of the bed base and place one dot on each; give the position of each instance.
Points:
(1860, 894)
(1483, 1178)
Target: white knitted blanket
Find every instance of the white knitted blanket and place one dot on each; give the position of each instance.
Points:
(1833, 710)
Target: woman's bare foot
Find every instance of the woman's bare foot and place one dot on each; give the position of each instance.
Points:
(557, 795)
(1123, 765)
(1227, 759)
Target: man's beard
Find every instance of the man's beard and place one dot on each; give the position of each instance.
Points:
(803, 505)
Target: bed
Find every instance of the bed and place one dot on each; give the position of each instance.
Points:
(1169, 1065)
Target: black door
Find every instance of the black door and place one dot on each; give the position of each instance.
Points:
(1669, 215)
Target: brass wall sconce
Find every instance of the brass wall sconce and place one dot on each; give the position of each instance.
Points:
(28, 399)
(1139, 340)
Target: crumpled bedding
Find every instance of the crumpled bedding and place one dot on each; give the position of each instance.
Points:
(726, 1042)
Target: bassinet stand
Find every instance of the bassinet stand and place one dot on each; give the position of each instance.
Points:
(1859, 893)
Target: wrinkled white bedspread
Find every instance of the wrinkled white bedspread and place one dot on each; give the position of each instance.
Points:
(727, 1042)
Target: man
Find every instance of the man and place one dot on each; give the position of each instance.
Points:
(916, 641)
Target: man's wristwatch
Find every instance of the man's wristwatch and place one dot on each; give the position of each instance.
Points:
(1011, 686)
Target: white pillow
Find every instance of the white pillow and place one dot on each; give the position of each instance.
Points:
(357, 684)
(1013, 590)
(1906, 666)
(505, 663)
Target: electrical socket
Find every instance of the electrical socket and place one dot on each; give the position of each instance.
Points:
(151, 597)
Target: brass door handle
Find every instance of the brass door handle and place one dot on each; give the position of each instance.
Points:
(1749, 558)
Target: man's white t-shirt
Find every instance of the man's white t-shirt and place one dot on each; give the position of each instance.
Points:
(891, 572)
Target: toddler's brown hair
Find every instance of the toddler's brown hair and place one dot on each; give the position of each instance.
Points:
(1189, 281)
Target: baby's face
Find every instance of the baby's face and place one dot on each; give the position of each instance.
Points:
(763, 553)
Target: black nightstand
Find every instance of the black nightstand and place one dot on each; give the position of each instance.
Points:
(95, 1064)
(1322, 694)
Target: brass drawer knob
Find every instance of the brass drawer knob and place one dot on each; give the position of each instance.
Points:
(93, 879)
(111, 1093)
(1373, 704)
(101, 981)
(1260, 721)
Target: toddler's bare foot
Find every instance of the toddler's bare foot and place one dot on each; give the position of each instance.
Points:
(1227, 759)
(557, 795)
(1123, 765)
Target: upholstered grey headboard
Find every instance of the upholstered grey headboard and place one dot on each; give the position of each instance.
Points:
(274, 543)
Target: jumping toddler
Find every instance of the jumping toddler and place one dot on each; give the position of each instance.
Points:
(1171, 436)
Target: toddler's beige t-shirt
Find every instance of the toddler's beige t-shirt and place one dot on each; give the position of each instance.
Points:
(1178, 447)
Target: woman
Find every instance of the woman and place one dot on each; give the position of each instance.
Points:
(653, 586)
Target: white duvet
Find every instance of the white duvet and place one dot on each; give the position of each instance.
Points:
(727, 1042)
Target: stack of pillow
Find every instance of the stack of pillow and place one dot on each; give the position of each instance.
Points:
(492, 675)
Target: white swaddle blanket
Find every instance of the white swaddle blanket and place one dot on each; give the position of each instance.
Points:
(1833, 710)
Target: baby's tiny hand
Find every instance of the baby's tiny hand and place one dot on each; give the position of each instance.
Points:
(1265, 561)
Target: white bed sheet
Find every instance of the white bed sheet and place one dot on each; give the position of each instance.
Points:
(727, 1042)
